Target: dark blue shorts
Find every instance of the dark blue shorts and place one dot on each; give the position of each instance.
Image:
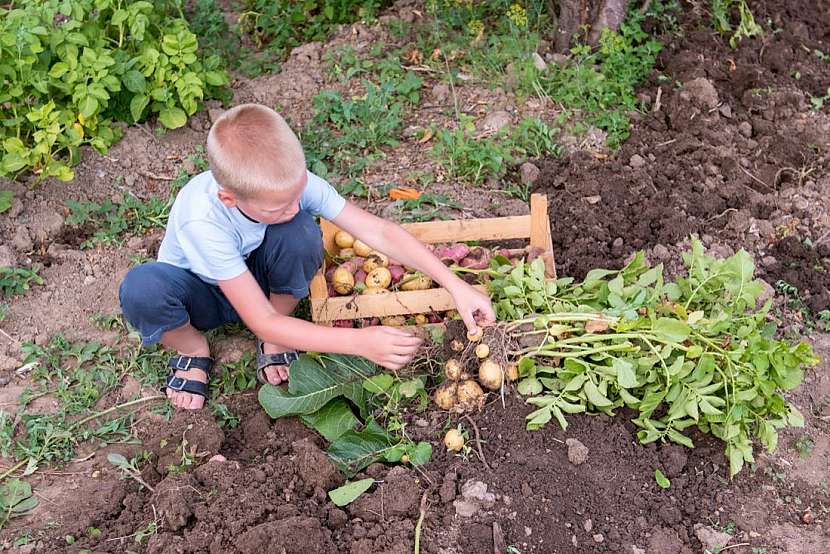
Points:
(157, 297)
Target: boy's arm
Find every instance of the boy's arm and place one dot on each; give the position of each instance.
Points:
(387, 346)
(391, 239)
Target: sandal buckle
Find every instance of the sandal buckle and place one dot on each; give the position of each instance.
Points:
(176, 383)
(186, 366)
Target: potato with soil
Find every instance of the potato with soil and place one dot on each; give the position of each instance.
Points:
(416, 281)
(342, 280)
(343, 239)
(454, 440)
(490, 374)
(379, 277)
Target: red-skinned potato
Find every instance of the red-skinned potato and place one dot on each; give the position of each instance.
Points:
(397, 272)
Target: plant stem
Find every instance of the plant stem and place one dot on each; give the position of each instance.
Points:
(13, 469)
(115, 408)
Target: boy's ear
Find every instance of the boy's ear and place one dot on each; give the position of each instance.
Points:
(226, 197)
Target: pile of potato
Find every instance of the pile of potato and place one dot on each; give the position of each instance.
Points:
(362, 270)
(460, 392)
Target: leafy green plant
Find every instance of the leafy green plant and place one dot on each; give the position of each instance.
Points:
(16, 499)
(804, 444)
(721, 20)
(347, 133)
(427, 207)
(17, 280)
(77, 376)
(73, 68)
(6, 197)
(474, 159)
(280, 26)
(318, 392)
(129, 468)
(692, 352)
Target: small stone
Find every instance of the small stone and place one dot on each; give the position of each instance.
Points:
(22, 241)
(574, 541)
(710, 538)
(661, 252)
(526, 490)
(477, 492)
(441, 92)
(529, 173)
(588, 525)
(528, 531)
(726, 111)
(598, 538)
(130, 180)
(89, 279)
(637, 550)
(577, 452)
(538, 62)
(745, 128)
(465, 508)
(593, 199)
(496, 121)
(559, 59)
(636, 161)
(217, 458)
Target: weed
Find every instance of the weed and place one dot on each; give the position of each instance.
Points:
(129, 468)
(236, 377)
(17, 280)
(189, 455)
(427, 207)
(817, 102)
(347, 133)
(77, 376)
(224, 417)
(747, 27)
(476, 159)
(804, 444)
(467, 158)
(279, 26)
(758, 550)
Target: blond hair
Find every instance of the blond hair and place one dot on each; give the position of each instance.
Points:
(252, 149)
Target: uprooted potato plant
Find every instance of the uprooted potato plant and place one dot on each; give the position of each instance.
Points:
(696, 351)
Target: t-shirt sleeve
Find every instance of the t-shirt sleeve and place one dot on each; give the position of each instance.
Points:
(320, 198)
(211, 251)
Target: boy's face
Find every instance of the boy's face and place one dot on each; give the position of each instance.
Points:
(270, 207)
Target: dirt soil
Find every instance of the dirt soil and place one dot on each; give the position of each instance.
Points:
(730, 150)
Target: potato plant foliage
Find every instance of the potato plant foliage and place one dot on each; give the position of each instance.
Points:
(70, 68)
(694, 352)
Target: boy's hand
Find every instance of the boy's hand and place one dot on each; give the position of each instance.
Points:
(390, 347)
(473, 306)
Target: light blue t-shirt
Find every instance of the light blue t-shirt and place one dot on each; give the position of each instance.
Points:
(212, 240)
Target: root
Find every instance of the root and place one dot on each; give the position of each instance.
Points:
(478, 442)
(420, 522)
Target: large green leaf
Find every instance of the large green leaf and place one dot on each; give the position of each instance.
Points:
(172, 118)
(354, 451)
(347, 494)
(332, 420)
(315, 381)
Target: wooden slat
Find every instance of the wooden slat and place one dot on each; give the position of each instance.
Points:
(535, 226)
(395, 303)
(460, 230)
(540, 231)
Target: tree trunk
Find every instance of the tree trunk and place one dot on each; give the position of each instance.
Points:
(589, 17)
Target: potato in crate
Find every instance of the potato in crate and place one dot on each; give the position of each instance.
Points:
(369, 287)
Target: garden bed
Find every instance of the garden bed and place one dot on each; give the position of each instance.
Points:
(729, 149)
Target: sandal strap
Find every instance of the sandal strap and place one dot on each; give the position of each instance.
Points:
(180, 384)
(185, 363)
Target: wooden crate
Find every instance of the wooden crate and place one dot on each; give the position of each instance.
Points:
(534, 226)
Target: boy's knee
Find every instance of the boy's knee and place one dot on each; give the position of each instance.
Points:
(143, 285)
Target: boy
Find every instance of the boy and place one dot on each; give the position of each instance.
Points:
(241, 244)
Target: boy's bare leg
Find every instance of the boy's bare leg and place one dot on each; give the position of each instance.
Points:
(187, 341)
(284, 304)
